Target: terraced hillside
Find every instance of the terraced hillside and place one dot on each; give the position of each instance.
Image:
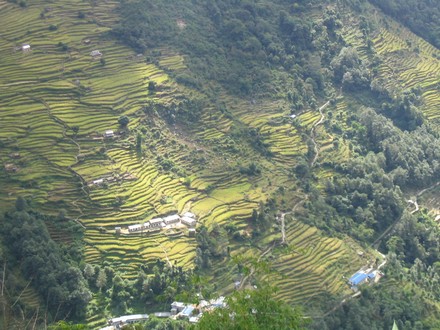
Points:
(181, 150)
(406, 61)
(57, 101)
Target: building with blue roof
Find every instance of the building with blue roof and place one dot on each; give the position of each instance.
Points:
(371, 276)
(357, 279)
(187, 312)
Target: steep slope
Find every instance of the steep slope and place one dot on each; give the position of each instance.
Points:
(248, 114)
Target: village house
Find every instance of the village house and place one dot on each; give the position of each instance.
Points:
(134, 228)
(120, 321)
(109, 134)
(11, 168)
(187, 312)
(147, 225)
(98, 182)
(189, 215)
(192, 232)
(118, 230)
(156, 223)
(96, 53)
(26, 48)
(360, 278)
(171, 219)
(177, 307)
(190, 222)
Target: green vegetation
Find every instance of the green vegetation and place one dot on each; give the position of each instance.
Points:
(423, 17)
(253, 309)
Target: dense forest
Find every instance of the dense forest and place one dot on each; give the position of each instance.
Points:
(241, 45)
(50, 268)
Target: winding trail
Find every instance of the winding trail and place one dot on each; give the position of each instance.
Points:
(312, 132)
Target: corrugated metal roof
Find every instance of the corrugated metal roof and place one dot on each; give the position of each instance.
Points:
(358, 278)
(187, 311)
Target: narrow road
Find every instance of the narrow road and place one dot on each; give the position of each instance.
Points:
(312, 132)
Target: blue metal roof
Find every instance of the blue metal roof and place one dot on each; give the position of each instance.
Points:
(357, 278)
(187, 311)
(371, 275)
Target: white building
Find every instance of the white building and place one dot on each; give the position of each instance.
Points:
(178, 306)
(171, 219)
(189, 215)
(95, 53)
(134, 228)
(126, 319)
(156, 223)
(26, 47)
(109, 134)
(147, 225)
(190, 222)
(98, 182)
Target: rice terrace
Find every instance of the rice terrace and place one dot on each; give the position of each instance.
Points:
(168, 161)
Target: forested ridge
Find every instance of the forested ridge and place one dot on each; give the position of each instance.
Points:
(304, 135)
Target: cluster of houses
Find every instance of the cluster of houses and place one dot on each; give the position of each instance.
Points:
(188, 219)
(179, 310)
(193, 312)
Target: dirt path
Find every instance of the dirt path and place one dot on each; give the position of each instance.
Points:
(312, 132)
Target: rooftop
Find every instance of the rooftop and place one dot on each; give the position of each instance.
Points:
(189, 215)
(127, 318)
(187, 311)
(357, 278)
(156, 220)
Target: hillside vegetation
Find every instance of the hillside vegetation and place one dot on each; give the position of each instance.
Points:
(295, 132)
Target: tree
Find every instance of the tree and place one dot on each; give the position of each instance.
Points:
(101, 280)
(89, 271)
(253, 310)
(151, 86)
(123, 121)
(20, 204)
(139, 140)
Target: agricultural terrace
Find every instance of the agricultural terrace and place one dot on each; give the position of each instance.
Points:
(406, 61)
(56, 102)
